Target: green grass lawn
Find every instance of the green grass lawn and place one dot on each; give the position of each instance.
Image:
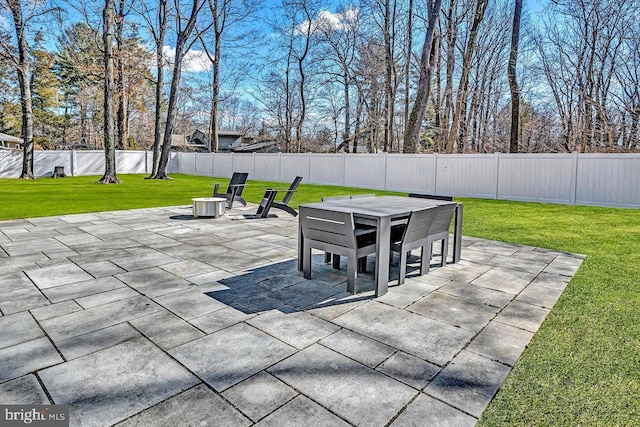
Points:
(583, 365)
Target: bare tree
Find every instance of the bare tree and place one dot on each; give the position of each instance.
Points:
(182, 47)
(108, 17)
(155, 15)
(18, 56)
(513, 81)
(427, 64)
(227, 16)
(461, 96)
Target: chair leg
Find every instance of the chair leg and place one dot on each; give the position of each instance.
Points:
(402, 266)
(336, 261)
(362, 265)
(306, 263)
(427, 256)
(352, 267)
(424, 261)
(444, 250)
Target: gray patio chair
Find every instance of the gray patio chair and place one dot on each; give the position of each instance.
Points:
(328, 257)
(269, 200)
(440, 232)
(432, 196)
(234, 189)
(335, 233)
(415, 234)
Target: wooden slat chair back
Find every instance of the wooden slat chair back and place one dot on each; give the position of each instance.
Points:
(415, 234)
(440, 231)
(335, 233)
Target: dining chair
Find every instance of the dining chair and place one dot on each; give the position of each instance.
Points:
(413, 235)
(335, 233)
(440, 232)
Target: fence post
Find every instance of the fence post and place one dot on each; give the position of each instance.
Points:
(574, 178)
(384, 170)
(495, 194)
(435, 173)
(72, 158)
(279, 167)
(344, 168)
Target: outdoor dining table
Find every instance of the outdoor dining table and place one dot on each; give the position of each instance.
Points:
(383, 212)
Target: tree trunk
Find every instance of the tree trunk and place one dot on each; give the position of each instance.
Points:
(407, 70)
(172, 108)
(414, 126)
(159, 39)
(461, 96)
(109, 176)
(23, 69)
(215, 86)
(513, 82)
(121, 137)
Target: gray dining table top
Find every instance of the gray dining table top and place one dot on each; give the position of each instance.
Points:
(381, 206)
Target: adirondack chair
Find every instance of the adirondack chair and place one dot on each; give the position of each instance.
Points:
(234, 189)
(269, 200)
(335, 232)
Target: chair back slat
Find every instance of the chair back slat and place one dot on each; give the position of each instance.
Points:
(292, 189)
(442, 220)
(419, 225)
(237, 179)
(336, 228)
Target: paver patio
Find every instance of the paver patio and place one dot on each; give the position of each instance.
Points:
(150, 317)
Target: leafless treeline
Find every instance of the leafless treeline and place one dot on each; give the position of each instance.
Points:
(315, 76)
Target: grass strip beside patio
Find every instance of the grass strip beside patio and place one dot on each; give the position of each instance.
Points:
(582, 366)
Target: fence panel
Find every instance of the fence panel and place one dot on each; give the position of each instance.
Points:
(204, 164)
(292, 165)
(267, 168)
(187, 163)
(467, 175)
(45, 161)
(88, 163)
(223, 165)
(536, 177)
(131, 162)
(411, 173)
(358, 171)
(608, 180)
(10, 164)
(243, 163)
(326, 169)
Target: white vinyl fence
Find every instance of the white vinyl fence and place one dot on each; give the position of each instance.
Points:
(577, 179)
(75, 162)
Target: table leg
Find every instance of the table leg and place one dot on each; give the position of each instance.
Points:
(457, 234)
(300, 250)
(382, 255)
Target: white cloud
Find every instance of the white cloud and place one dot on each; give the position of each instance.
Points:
(329, 21)
(195, 61)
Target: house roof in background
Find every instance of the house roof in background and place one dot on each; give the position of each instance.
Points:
(9, 138)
